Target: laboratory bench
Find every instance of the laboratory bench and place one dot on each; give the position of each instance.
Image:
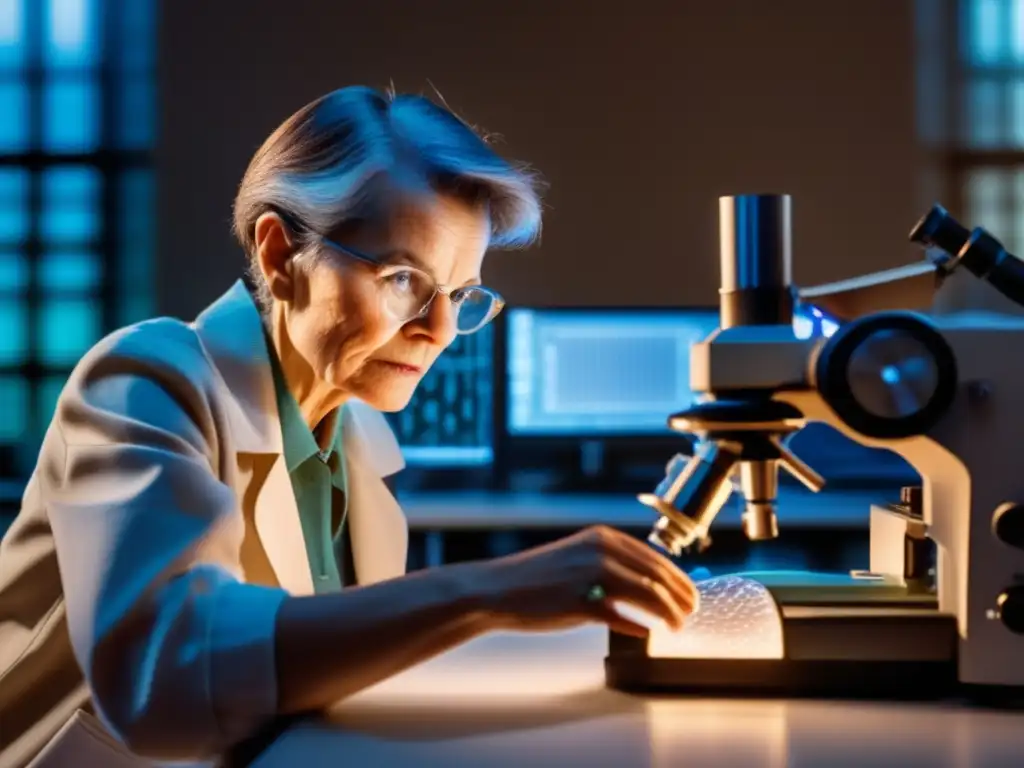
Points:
(540, 700)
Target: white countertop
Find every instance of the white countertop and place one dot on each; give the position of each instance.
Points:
(539, 700)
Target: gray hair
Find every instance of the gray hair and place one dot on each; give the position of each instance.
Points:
(317, 168)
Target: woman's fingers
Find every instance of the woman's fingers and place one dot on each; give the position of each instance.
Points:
(623, 584)
(645, 561)
(606, 613)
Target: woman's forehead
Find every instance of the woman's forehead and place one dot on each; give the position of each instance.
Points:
(430, 228)
(431, 214)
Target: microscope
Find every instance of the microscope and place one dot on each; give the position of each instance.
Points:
(943, 391)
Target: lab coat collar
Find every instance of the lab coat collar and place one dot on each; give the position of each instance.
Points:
(232, 333)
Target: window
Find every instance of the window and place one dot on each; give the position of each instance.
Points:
(77, 117)
(988, 157)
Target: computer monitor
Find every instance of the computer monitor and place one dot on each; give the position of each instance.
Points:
(449, 423)
(599, 373)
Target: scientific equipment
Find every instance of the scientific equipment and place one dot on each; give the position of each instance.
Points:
(944, 392)
(609, 372)
(449, 423)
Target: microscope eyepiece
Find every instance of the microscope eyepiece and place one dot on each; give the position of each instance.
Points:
(756, 242)
(940, 230)
(977, 251)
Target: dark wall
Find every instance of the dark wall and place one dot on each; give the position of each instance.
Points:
(639, 116)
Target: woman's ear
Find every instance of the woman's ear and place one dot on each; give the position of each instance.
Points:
(275, 246)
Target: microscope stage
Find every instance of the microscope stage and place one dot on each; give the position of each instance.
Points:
(849, 637)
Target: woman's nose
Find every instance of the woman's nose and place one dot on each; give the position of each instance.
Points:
(439, 322)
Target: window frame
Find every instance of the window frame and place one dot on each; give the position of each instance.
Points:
(113, 162)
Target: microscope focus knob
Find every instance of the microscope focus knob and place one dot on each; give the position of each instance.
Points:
(1008, 524)
(1011, 609)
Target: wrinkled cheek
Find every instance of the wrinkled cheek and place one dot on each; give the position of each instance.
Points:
(336, 357)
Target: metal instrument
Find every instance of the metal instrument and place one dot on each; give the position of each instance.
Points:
(945, 392)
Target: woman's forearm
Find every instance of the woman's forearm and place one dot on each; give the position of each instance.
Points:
(331, 646)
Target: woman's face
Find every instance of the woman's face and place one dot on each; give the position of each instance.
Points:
(333, 314)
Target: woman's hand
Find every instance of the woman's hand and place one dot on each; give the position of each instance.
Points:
(554, 586)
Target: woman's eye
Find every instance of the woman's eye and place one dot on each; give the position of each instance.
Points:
(400, 280)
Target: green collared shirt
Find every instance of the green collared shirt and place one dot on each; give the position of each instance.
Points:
(317, 469)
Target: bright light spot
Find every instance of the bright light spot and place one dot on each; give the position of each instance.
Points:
(69, 24)
(10, 22)
(803, 327)
(891, 374)
(829, 327)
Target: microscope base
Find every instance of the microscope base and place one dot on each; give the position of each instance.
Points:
(852, 652)
(782, 678)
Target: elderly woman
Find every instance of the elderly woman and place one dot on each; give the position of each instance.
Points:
(207, 541)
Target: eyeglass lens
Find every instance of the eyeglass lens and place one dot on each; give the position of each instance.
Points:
(407, 293)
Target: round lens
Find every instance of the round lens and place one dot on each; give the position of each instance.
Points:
(893, 375)
(475, 308)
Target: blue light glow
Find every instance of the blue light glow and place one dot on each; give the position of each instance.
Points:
(13, 408)
(136, 229)
(71, 110)
(70, 272)
(138, 36)
(14, 123)
(13, 205)
(13, 273)
(1017, 26)
(71, 211)
(14, 339)
(891, 374)
(12, 34)
(72, 33)
(136, 119)
(68, 328)
(985, 27)
(49, 394)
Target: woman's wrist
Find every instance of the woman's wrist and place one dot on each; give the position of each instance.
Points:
(477, 590)
(493, 597)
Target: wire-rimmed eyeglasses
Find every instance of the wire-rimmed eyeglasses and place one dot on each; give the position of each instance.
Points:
(408, 292)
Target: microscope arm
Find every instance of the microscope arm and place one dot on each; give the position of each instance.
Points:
(949, 246)
(909, 287)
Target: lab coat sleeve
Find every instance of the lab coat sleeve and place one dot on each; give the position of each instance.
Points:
(177, 651)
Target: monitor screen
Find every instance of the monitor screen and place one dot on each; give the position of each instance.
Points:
(580, 373)
(449, 421)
